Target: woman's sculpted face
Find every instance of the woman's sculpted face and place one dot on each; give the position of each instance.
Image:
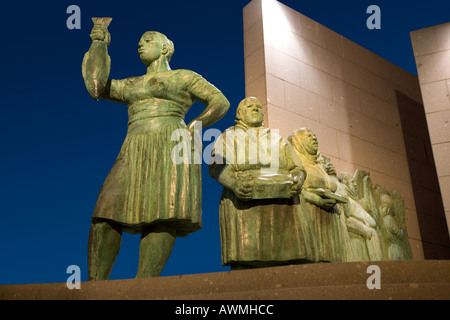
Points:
(251, 112)
(151, 47)
(310, 142)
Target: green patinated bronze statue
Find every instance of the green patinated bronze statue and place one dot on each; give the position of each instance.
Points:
(262, 179)
(146, 192)
(320, 201)
(288, 205)
(351, 219)
(391, 214)
(361, 226)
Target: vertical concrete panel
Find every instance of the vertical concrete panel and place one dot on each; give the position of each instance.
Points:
(432, 53)
(316, 78)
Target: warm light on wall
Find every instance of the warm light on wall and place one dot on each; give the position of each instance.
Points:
(276, 25)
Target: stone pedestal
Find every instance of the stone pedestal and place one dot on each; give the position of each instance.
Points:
(400, 280)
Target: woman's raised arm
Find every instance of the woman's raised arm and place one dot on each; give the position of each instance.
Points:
(96, 62)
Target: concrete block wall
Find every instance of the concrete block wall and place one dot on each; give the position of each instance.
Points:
(424, 179)
(432, 53)
(307, 75)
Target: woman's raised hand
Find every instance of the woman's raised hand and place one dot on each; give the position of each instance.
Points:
(100, 33)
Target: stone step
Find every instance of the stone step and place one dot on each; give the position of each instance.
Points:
(390, 291)
(399, 280)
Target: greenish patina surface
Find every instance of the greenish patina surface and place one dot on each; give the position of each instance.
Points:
(262, 178)
(147, 192)
(320, 199)
(352, 220)
(282, 203)
(325, 218)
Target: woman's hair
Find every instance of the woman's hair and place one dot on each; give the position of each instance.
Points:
(171, 49)
(296, 139)
(165, 41)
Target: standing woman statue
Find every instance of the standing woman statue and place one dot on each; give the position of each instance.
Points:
(146, 192)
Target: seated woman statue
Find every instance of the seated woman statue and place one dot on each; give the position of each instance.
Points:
(392, 211)
(262, 178)
(319, 199)
(360, 224)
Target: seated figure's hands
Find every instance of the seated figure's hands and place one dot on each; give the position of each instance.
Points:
(317, 200)
(326, 204)
(243, 189)
(296, 188)
(330, 169)
(297, 185)
(368, 233)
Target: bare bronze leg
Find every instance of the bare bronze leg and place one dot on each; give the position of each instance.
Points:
(103, 247)
(154, 251)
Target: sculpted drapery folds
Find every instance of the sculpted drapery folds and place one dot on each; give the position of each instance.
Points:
(361, 227)
(145, 191)
(271, 213)
(282, 201)
(391, 208)
(352, 219)
(259, 225)
(319, 200)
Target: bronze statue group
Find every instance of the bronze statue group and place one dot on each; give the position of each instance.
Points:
(285, 205)
(325, 218)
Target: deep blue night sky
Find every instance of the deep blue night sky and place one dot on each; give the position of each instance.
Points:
(58, 144)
